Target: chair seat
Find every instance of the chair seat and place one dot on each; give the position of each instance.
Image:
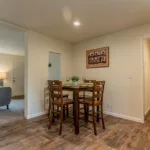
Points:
(65, 102)
(65, 95)
(85, 96)
(89, 102)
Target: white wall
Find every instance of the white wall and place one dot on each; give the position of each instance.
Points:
(37, 57)
(146, 55)
(11, 40)
(124, 76)
(7, 65)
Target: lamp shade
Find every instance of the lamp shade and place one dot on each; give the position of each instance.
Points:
(2, 75)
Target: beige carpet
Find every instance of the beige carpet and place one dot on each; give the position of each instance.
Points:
(15, 112)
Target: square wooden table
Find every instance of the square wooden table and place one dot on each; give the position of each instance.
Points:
(76, 90)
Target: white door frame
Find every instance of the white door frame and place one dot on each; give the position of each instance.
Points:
(26, 74)
(60, 62)
(142, 76)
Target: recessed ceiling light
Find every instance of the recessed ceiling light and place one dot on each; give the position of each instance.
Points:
(76, 23)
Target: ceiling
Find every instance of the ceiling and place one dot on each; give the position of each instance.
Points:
(54, 17)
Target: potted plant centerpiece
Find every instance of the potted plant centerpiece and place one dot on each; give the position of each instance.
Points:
(75, 80)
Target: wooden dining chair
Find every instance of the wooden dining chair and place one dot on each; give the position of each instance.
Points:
(66, 108)
(95, 102)
(57, 101)
(88, 90)
(86, 94)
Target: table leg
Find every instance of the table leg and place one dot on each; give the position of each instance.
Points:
(76, 103)
(50, 113)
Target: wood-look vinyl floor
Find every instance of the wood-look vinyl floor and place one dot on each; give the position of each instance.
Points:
(33, 135)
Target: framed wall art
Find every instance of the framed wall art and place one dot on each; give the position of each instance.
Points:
(97, 58)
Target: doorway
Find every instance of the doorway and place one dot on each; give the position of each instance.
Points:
(12, 58)
(54, 72)
(13, 67)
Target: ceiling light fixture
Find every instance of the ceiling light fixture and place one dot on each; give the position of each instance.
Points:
(76, 23)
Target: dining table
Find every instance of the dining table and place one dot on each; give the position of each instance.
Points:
(76, 90)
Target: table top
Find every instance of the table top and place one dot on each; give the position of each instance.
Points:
(71, 87)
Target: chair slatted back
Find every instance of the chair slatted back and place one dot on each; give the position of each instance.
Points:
(90, 89)
(55, 87)
(98, 90)
(89, 81)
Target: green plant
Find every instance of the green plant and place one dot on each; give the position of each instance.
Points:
(75, 78)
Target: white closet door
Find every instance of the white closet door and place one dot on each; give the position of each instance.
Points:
(54, 70)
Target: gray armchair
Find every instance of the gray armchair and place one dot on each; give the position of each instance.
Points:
(5, 96)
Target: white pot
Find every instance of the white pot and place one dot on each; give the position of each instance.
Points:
(75, 83)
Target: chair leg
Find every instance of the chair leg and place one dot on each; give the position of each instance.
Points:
(67, 107)
(94, 121)
(64, 109)
(74, 114)
(53, 120)
(97, 119)
(50, 120)
(48, 111)
(57, 111)
(49, 107)
(85, 113)
(103, 124)
(49, 116)
(7, 107)
(67, 110)
(61, 120)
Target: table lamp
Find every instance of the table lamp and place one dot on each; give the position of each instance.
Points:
(2, 77)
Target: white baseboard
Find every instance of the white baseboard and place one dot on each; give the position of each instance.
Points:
(36, 115)
(123, 116)
(105, 112)
(146, 112)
